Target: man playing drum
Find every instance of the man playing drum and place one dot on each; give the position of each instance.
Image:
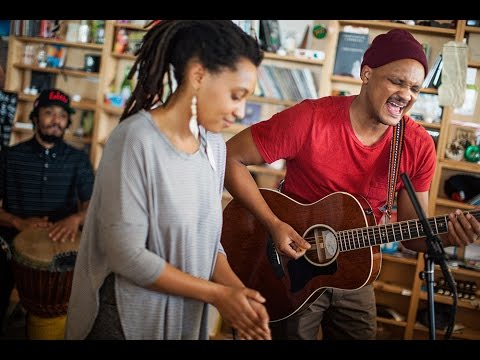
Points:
(44, 183)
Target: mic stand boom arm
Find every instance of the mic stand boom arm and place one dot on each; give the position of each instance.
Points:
(435, 254)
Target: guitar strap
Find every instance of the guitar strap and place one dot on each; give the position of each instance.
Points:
(396, 147)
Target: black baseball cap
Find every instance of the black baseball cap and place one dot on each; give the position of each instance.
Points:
(49, 97)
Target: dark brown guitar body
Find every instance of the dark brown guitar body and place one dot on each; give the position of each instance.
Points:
(290, 286)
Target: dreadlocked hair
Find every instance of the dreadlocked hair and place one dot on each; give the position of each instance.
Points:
(217, 44)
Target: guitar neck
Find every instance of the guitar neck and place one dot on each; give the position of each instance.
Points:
(382, 234)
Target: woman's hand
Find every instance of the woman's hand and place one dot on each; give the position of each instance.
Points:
(243, 309)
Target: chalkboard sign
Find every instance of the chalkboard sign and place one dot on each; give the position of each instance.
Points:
(42, 80)
(8, 107)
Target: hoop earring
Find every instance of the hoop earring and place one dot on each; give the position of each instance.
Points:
(193, 123)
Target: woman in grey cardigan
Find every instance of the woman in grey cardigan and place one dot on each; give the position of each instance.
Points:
(150, 259)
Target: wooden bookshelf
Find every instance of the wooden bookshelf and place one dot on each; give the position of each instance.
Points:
(388, 25)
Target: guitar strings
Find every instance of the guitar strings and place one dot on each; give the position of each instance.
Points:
(349, 242)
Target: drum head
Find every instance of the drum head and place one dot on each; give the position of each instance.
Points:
(35, 246)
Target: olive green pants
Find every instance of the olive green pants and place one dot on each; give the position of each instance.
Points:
(335, 315)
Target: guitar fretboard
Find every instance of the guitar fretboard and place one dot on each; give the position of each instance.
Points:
(382, 234)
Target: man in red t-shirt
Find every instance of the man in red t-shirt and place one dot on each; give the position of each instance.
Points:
(343, 144)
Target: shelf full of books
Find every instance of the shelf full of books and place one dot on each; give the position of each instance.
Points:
(285, 83)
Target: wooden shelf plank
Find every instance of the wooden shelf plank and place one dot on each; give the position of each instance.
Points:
(472, 29)
(90, 46)
(467, 304)
(454, 204)
(466, 124)
(346, 79)
(82, 139)
(123, 56)
(130, 26)
(391, 288)
(461, 165)
(474, 64)
(387, 25)
(295, 59)
(267, 100)
(466, 272)
(432, 91)
(391, 321)
(22, 130)
(465, 333)
(77, 73)
(429, 125)
(112, 110)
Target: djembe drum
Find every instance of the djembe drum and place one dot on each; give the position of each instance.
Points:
(43, 272)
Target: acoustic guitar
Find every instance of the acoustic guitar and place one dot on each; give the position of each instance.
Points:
(345, 252)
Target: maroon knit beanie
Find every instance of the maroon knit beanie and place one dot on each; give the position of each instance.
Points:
(395, 45)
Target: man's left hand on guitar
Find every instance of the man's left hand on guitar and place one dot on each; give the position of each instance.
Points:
(463, 229)
(287, 241)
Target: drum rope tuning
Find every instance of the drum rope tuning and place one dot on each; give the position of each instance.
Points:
(5, 248)
(43, 272)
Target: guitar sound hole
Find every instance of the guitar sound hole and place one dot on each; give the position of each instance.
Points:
(324, 243)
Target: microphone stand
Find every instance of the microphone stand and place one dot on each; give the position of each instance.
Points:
(435, 254)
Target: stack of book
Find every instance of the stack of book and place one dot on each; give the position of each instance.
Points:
(433, 78)
(286, 83)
